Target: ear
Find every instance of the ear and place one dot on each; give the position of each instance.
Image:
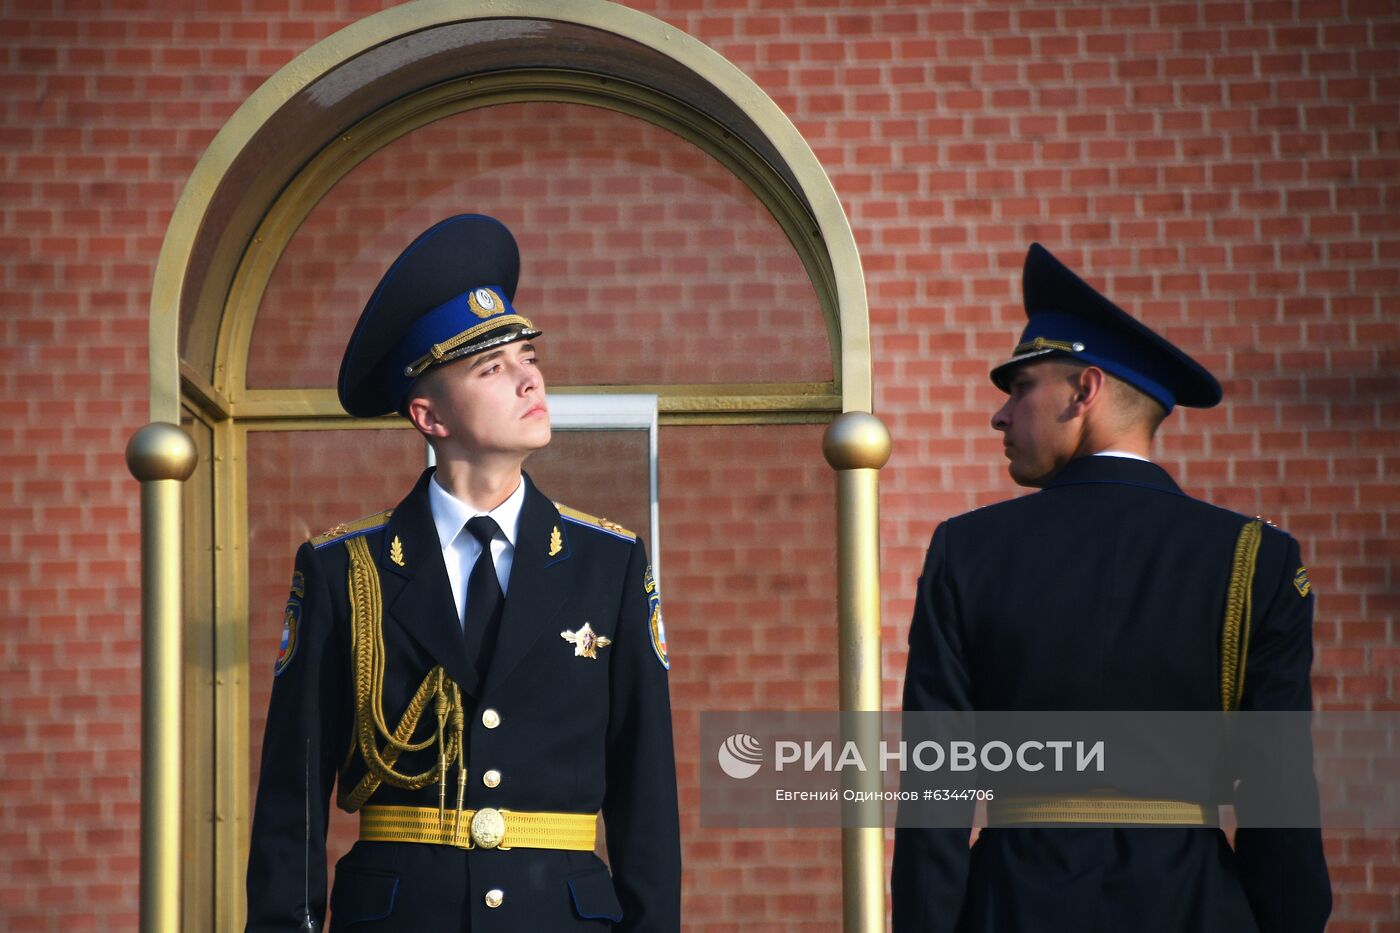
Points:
(422, 411)
(1090, 386)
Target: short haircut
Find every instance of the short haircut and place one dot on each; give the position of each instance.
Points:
(1136, 406)
(1131, 405)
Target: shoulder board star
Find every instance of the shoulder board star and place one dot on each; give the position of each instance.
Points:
(358, 527)
(593, 521)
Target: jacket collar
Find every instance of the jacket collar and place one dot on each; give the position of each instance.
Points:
(418, 596)
(450, 514)
(541, 578)
(1122, 471)
(416, 590)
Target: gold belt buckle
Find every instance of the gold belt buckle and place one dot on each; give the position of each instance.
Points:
(489, 828)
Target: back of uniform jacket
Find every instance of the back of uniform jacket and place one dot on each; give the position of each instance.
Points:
(1105, 591)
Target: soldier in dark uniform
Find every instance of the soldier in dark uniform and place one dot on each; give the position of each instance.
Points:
(1105, 590)
(479, 671)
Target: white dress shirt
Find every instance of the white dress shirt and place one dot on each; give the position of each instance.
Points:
(460, 549)
(1121, 453)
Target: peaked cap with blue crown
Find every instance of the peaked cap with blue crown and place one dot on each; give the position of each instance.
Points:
(447, 296)
(1067, 317)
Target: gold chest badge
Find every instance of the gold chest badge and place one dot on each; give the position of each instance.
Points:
(586, 642)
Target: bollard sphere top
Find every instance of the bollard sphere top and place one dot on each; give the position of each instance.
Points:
(856, 440)
(160, 450)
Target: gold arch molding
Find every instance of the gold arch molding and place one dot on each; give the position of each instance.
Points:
(360, 89)
(285, 148)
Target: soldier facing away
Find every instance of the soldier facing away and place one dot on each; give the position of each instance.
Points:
(1105, 590)
(479, 672)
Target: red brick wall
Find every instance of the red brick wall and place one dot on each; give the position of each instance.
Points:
(643, 259)
(1230, 171)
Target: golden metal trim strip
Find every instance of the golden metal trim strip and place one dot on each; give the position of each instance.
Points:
(200, 394)
(231, 671)
(261, 405)
(201, 830)
(758, 416)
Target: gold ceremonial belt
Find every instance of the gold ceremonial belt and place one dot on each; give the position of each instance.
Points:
(480, 829)
(1132, 811)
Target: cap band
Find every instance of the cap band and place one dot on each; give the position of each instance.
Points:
(1089, 342)
(442, 352)
(1042, 345)
(468, 323)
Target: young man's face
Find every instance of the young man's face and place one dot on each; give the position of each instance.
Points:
(1038, 434)
(492, 404)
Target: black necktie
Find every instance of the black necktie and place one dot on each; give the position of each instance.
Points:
(484, 598)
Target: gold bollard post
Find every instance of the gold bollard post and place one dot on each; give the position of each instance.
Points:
(162, 457)
(857, 445)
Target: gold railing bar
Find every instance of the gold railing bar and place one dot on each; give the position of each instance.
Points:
(161, 457)
(856, 446)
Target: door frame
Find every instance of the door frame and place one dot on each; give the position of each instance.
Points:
(304, 129)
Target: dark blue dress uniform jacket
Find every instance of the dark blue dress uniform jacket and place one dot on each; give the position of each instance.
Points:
(1104, 591)
(575, 735)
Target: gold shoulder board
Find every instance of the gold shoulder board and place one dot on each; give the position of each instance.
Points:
(593, 521)
(358, 526)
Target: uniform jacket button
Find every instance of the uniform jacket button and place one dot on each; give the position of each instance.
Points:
(490, 718)
(491, 778)
(495, 897)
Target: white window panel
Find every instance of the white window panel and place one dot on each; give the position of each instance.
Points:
(600, 411)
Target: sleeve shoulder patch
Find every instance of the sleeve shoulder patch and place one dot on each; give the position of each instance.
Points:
(291, 625)
(593, 521)
(1301, 583)
(345, 530)
(655, 622)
